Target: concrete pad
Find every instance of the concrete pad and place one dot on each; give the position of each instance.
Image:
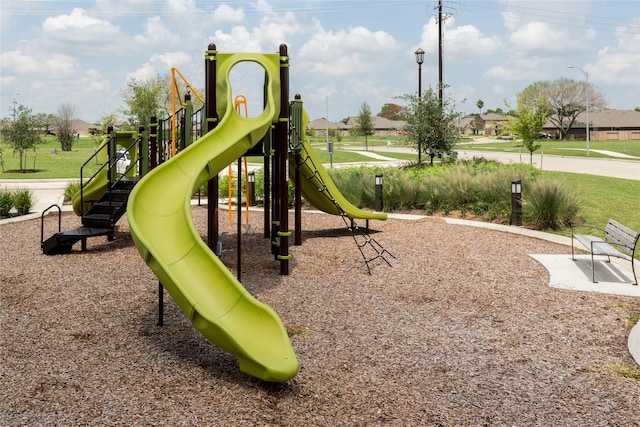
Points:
(612, 277)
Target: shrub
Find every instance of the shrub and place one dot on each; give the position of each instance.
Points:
(6, 202)
(549, 205)
(22, 201)
(71, 190)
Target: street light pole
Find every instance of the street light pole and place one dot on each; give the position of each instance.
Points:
(329, 145)
(419, 59)
(586, 75)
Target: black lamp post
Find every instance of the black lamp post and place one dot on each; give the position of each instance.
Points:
(251, 188)
(516, 202)
(419, 59)
(378, 193)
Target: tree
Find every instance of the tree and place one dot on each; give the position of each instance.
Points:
(430, 127)
(108, 119)
(335, 134)
(65, 127)
(498, 110)
(364, 124)
(530, 116)
(391, 111)
(565, 98)
(46, 122)
(21, 131)
(145, 99)
(480, 104)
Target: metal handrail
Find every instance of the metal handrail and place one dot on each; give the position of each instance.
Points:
(82, 183)
(42, 222)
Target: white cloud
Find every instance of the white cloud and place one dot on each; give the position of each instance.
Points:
(358, 50)
(619, 64)
(38, 63)
(461, 43)
(80, 28)
(160, 64)
(535, 37)
(225, 14)
(155, 33)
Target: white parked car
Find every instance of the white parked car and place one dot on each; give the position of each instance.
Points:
(123, 161)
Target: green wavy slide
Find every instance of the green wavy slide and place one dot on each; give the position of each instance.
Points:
(319, 189)
(159, 214)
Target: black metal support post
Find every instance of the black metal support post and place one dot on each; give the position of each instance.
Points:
(239, 221)
(160, 304)
(153, 143)
(212, 122)
(282, 161)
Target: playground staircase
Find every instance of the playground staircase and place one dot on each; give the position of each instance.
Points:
(99, 220)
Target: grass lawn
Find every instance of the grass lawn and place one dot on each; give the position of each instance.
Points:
(46, 164)
(560, 148)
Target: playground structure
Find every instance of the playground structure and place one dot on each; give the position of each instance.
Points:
(159, 201)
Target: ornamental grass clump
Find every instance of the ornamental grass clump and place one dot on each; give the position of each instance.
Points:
(549, 205)
(6, 202)
(71, 190)
(22, 201)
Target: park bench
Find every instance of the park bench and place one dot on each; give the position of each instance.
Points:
(618, 241)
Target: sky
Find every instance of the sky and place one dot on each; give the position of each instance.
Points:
(342, 53)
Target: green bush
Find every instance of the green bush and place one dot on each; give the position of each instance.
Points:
(480, 187)
(6, 202)
(22, 201)
(70, 190)
(549, 205)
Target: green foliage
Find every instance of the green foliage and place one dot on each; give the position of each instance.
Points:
(21, 132)
(480, 187)
(549, 204)
(143, 99)
(22, 201)
(364, 123)
(429, 126)
(530, 116)
(70, 190)
(6, 202)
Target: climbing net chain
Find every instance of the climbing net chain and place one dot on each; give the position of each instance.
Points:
(369, 247)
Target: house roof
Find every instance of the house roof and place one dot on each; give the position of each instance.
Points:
(493, 117)
(321, 123)
(378, 123)
(625, 119)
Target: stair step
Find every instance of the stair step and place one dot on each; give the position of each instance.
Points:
(62, 243)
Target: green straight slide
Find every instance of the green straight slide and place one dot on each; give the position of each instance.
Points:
(159, 214)
(97, 187)
(319, 189)
(94, 189)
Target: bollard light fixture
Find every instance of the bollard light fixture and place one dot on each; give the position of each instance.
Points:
(516, 202)
(378, 193)
(251, 176)
(516, 186)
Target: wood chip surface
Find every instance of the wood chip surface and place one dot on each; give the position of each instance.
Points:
(461, 330)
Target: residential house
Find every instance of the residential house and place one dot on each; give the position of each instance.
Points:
(382, 127)
(604, 125)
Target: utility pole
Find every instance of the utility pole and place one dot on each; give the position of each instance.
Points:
(440, 79)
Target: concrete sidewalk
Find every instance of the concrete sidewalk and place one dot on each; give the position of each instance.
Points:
(46, 192)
